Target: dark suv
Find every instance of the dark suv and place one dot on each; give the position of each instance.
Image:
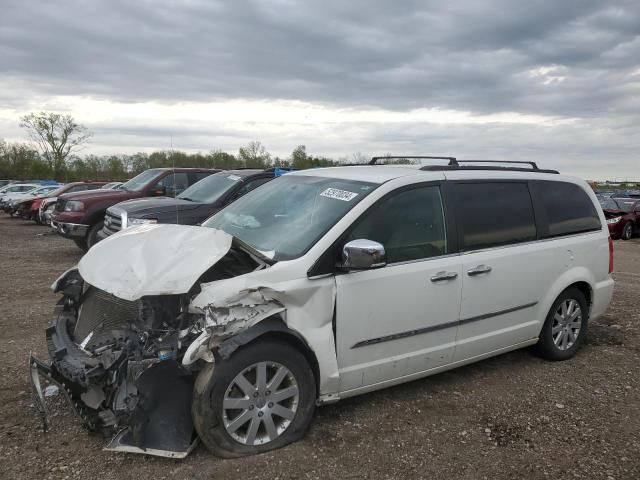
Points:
(79, 216)
(194, 205)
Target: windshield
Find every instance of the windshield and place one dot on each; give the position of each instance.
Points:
(611, 204)
(57, 191)
(42, 190)
(211, 188)
(140, 181)
(287, 216)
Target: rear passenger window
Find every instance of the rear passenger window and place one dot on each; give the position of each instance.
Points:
(567, 207)
(409, 224)
(494, 214)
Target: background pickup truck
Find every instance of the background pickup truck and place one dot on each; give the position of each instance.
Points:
(194, 205)
(80, 216)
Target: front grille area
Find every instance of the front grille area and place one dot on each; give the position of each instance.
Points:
(112, 222)
(105, 316)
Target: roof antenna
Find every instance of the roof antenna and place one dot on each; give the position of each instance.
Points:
(173, 163)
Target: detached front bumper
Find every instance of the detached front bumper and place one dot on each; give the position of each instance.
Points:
(70, 230)
(111, 382)
(37, 369)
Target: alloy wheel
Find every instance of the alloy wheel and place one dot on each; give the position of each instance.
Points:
(567, 323)
(260, 403)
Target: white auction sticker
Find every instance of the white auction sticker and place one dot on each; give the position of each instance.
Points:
(233, 177)
(343, 195)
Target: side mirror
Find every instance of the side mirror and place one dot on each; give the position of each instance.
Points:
(159, 191)
(363, 254)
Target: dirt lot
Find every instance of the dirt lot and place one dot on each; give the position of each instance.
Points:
(514, 416)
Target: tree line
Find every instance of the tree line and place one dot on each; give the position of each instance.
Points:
(56, 140)
(20, 161)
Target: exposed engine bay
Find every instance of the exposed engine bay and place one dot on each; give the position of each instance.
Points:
(120, 361)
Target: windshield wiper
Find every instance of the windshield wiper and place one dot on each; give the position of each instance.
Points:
(187, 199)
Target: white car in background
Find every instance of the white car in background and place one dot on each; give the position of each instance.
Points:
(318, 286)
(10, 200)
(17, 188)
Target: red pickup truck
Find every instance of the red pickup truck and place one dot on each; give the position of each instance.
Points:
(79, 216)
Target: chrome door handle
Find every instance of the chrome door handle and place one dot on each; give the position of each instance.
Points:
(479, 270)
(441, 276)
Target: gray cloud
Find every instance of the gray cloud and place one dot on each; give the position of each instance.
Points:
(479, 56)
(472, 55)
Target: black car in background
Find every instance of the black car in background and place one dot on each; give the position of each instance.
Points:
(192, 206)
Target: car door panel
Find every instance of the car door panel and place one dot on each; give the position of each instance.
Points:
(505, 270)
(395, 321)
(401, 318)
(500, 308)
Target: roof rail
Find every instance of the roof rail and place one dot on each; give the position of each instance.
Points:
(455, 164)
(374, 160)
(533, 166)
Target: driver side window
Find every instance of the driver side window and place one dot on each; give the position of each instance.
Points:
(409, 224)
(173, 183)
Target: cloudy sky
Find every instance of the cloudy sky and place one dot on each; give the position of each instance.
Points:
(546, 80)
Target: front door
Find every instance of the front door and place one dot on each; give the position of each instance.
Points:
(400, 319)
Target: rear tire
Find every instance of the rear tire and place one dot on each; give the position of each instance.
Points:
(627, 231)
(256, 426)
(565, 328)
(92, 236)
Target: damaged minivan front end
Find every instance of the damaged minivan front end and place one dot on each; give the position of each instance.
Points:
(127, 341)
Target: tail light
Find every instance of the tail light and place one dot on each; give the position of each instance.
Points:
(610, 255)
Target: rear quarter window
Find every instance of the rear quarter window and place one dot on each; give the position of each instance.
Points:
(567, 208)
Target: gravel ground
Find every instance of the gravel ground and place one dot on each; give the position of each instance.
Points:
(514, 416)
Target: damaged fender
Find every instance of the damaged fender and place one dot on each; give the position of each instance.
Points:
(228, 316)
(306, 306)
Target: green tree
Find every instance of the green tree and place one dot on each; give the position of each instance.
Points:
(254, 155)
(222, 160)
(299, 158)
(55, 136)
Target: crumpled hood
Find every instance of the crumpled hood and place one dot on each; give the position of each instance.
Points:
(153, 259)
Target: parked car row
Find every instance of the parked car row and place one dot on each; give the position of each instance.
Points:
(275, 294)
(16, 193)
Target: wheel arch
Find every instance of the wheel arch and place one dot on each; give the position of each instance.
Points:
(272, 327)
(580, 278)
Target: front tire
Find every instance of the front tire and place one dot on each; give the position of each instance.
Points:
(92, 236)
(565, 327)
(627, 231)
(81, 244)
(260, 399)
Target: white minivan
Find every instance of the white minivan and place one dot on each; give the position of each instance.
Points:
(317, 286)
